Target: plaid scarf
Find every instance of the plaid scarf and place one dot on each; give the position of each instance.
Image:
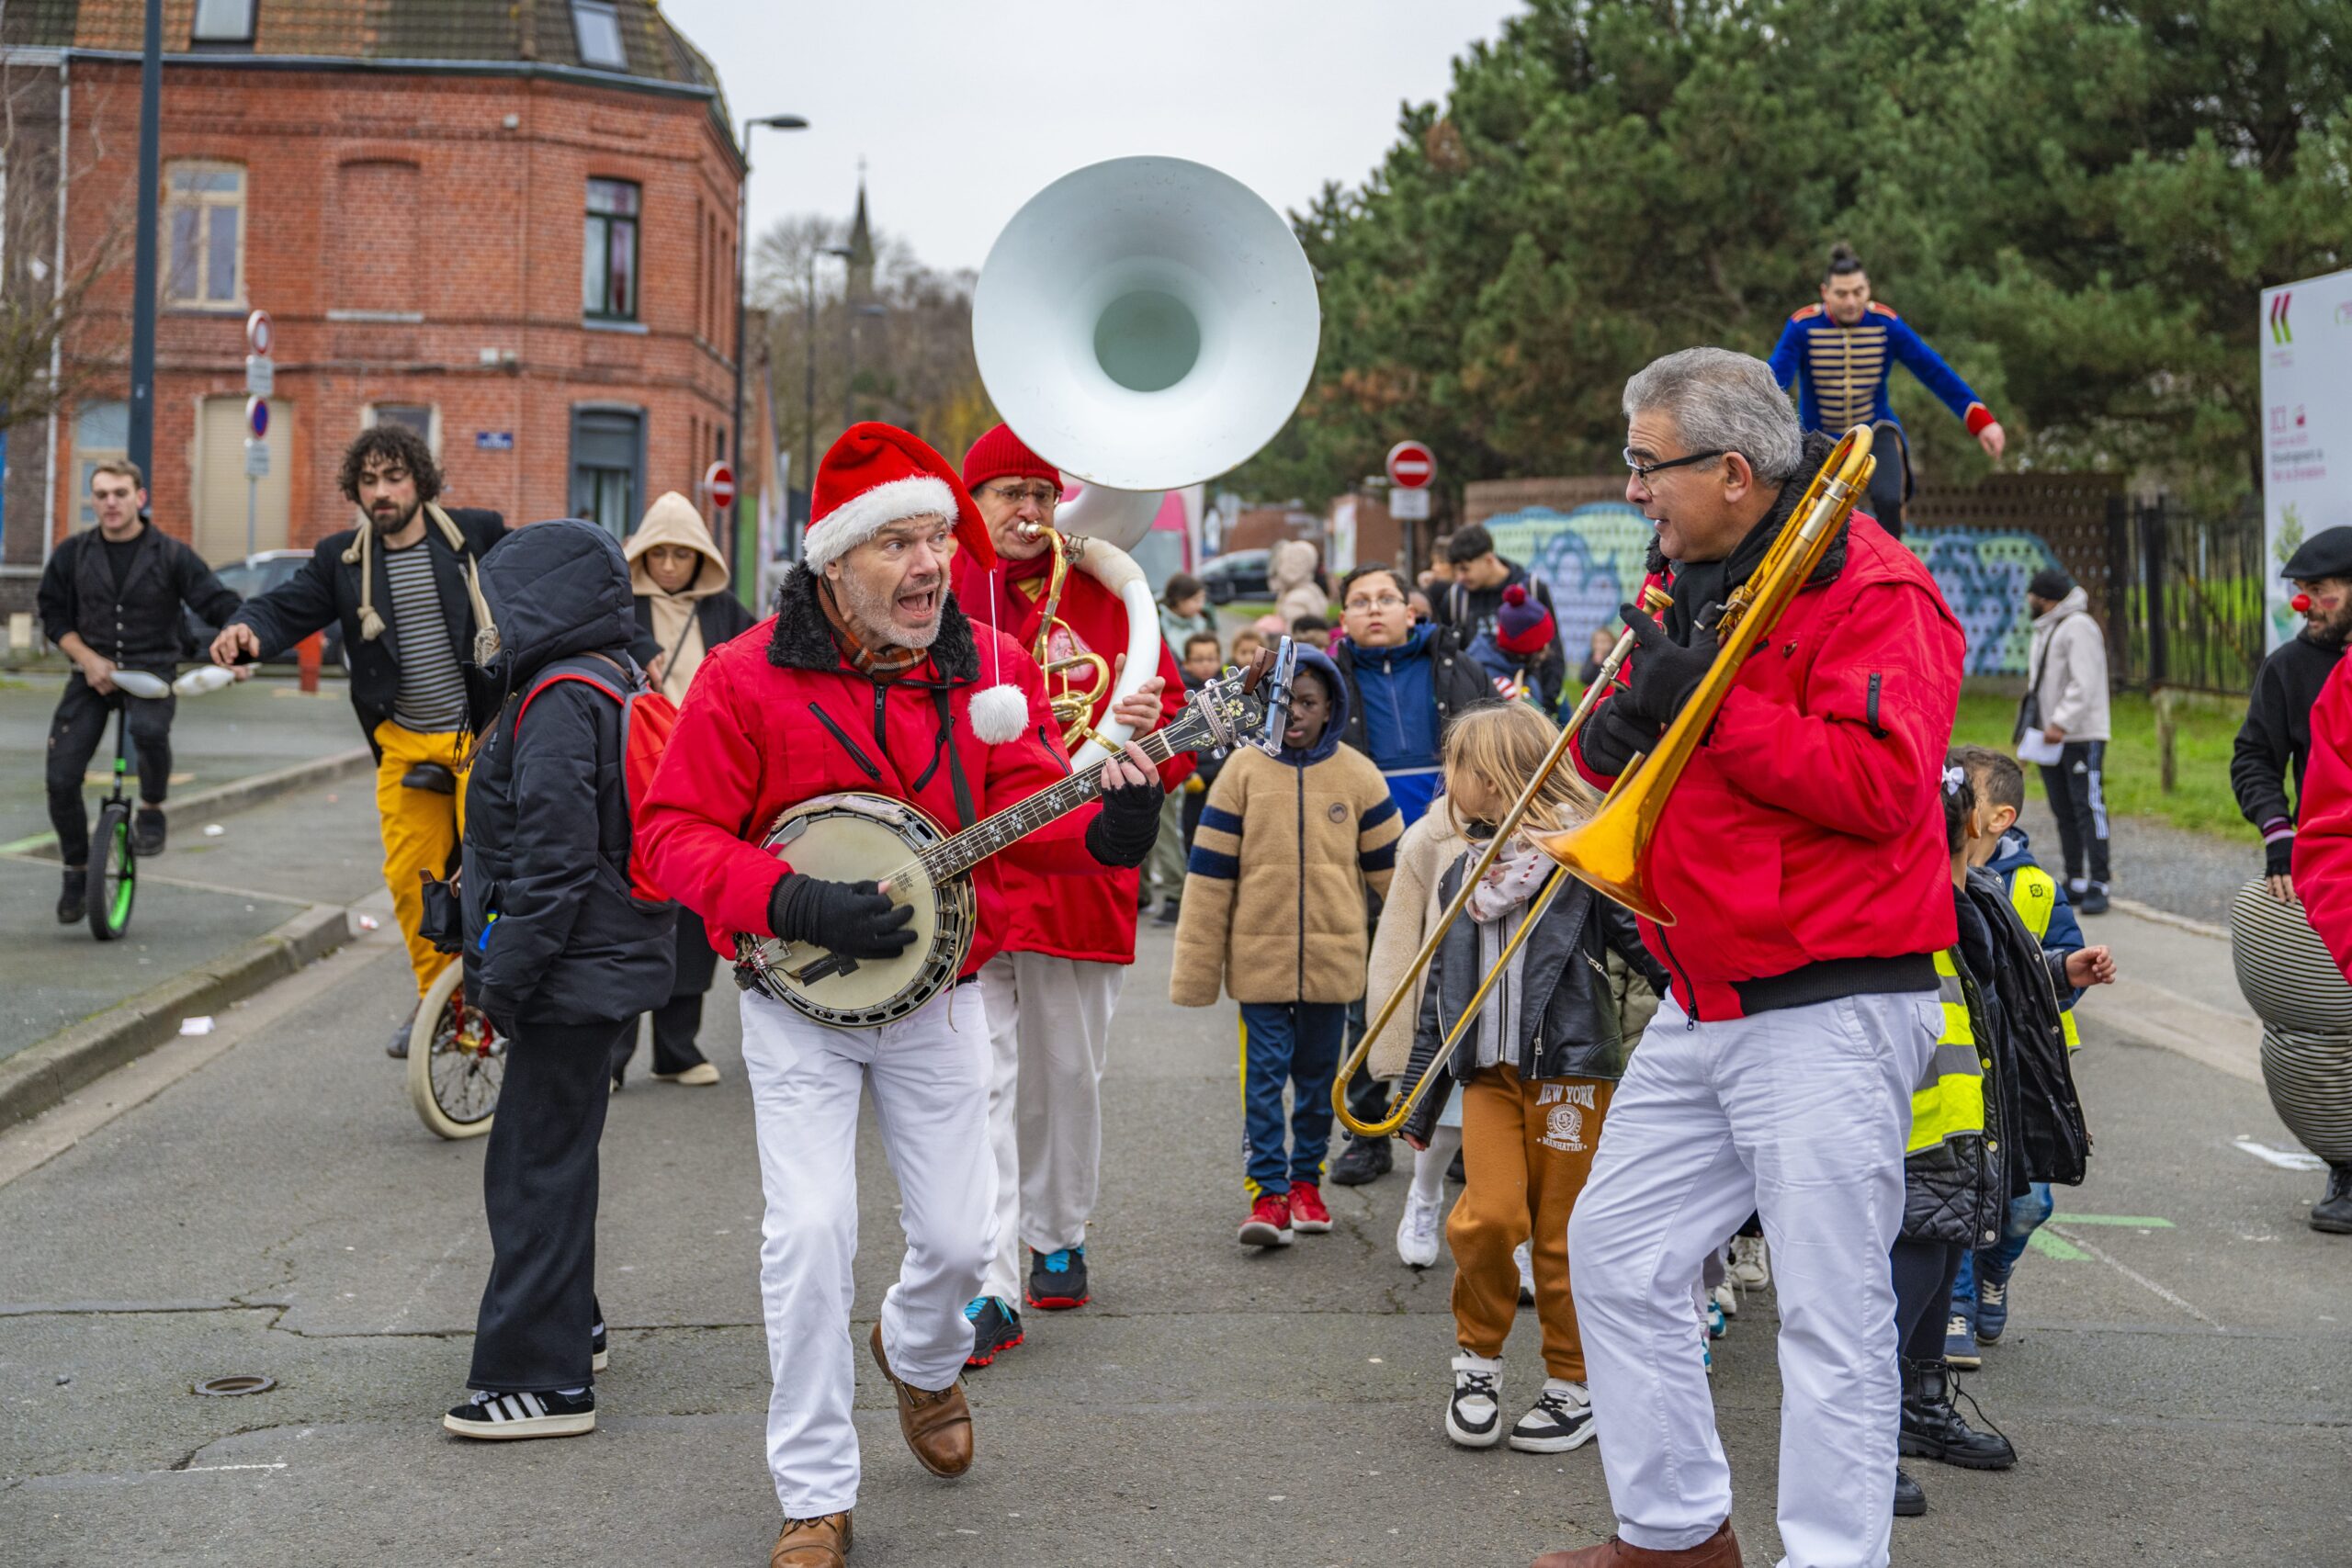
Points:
(885, 662)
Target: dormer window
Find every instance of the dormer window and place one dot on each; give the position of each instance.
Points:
(597, 26)
(224, 21)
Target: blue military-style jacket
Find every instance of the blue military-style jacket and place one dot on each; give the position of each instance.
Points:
(1842, 371)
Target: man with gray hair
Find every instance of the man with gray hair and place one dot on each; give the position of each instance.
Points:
(1803, 855)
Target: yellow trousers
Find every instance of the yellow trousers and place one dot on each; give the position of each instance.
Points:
(422, 829)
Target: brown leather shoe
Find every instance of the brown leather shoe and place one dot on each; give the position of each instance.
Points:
(938, 1425)
(1720, 1550)
(813, 1543)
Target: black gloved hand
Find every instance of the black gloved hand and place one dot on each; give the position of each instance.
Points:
(1665, 672)
(2279, 857)
(1122, 832)
(848, 918)
(1615, 735)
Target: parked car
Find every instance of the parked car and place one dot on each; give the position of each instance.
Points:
(253, 575)
(1237, 574)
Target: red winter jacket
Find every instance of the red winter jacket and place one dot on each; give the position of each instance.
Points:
(1804, 846)
(1093, 919)
(775, 717)
(2322, 863)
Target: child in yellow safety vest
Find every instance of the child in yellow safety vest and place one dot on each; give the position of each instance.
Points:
(1980, 1304)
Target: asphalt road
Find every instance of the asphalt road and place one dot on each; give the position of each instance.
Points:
(264, 1201)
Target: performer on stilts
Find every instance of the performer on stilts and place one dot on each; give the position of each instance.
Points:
(869, 678)
(1067, 946)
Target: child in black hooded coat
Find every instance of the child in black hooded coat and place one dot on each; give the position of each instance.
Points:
(560, 954)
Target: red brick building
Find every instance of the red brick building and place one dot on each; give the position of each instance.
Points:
(508, 223)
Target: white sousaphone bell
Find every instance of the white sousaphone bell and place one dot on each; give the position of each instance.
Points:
(1144, 325)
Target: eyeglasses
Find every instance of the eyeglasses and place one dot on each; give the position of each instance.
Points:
(1385, 602)
(1038, 495)
(1643, 471)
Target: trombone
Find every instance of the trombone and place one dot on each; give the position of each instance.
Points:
(1656, 602)
(1611, 850)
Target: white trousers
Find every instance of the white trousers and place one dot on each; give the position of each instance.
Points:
(1049, 1036)
(928, 1073)
(1802, 1116)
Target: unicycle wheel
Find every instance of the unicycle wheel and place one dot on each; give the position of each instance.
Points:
(114, 871)
(456, 1061)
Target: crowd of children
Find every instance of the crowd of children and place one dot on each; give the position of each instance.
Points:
(1311, 879)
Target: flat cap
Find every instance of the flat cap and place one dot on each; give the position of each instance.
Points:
(2327, 553)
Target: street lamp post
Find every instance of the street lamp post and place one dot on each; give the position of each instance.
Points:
(743, 269)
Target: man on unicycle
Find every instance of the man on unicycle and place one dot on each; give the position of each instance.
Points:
(111, 597)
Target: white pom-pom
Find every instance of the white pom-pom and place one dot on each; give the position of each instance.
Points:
(1000, 714)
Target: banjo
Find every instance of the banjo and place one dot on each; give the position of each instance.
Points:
(854, 836)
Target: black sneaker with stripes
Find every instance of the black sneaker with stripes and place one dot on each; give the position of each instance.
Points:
(490, 1414)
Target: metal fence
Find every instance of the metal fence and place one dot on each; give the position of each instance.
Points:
(2186, 596)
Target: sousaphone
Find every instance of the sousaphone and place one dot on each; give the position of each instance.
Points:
(1144, 325)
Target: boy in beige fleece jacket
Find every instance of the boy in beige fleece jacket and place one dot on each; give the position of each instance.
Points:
(1273, 915)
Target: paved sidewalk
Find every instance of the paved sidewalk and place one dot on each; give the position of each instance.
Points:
(202, 899)
(258, 726)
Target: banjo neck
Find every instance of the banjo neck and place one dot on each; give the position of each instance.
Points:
(953, 856)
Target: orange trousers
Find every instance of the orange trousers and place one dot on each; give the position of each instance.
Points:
(1527, 1147)
(421, 831)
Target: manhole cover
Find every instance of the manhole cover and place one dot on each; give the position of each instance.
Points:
(240, 1383)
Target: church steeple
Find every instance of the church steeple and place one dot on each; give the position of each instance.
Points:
(861, 244)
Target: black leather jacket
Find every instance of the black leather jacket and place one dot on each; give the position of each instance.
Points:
(1568, 1018)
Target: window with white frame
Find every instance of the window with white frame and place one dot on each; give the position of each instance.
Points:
(417, 417)
(223, 21)
(596, 24)
(101, 433)
(204, 219)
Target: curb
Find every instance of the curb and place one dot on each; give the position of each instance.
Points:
(235, 796)
(39, 1076)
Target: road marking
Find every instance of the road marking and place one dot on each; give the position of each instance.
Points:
(2136, 1278)
(201, 1469)
(2048, 1245)
(2284, 1160)
(2134, 1221)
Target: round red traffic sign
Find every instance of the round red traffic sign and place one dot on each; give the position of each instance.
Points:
(257, 332)
(1411, 466)
(718, 483)
(257, 418)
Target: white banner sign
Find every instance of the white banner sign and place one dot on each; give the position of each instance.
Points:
(2306, 424)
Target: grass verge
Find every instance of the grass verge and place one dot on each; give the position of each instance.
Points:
(2202, 736)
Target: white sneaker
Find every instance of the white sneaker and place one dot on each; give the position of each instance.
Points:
(1560, 1419)
(1474, 1417)
(1417, 1231)
(1524, 1256)
(1751, 1266)
(1727, 1298)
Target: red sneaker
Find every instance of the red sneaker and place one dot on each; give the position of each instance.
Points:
(1306, 1210)
(1269, 1221)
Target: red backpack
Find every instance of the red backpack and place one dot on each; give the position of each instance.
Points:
(647, 719)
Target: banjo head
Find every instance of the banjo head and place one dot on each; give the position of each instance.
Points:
(855, 836)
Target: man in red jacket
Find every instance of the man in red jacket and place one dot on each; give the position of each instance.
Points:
(869, 678)
(1802, 852)
(1067, 949)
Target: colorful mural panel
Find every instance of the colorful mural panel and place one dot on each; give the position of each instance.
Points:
(1592, 557)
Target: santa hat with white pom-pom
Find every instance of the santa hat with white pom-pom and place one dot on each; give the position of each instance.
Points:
(877, 474)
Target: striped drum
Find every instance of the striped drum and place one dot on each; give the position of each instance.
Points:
(2305, 1005)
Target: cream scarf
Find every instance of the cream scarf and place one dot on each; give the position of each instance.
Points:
(361, 552)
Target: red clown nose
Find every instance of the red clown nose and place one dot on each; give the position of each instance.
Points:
(2300, 604)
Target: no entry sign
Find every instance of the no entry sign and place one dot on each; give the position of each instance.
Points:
(718, 483)
(1411, 466)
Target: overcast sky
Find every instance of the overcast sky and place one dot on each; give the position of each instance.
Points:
(964, 110)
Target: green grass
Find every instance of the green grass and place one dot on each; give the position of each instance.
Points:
(2202, 734)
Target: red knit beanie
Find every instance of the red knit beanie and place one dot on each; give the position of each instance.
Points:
(1001, 455)
(1523, 627)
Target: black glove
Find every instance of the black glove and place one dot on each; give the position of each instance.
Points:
(1122, 832)
(848, 918)
(2279, 857)
(1665, 672)
(1615, 735)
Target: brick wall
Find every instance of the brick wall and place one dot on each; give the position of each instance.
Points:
(413, 248)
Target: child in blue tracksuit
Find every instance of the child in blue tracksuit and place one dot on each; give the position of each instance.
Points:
(1980, 1307)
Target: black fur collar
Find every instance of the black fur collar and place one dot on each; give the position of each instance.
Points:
(803, 638)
